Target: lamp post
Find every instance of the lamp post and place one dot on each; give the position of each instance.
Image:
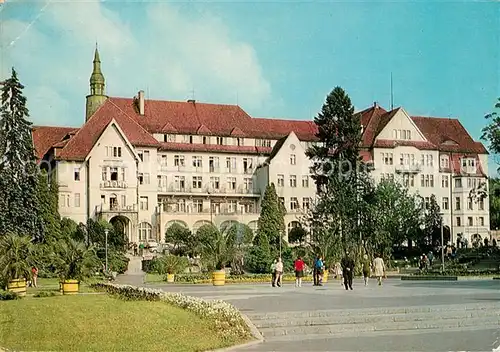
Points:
(106, 233)
(442, 243)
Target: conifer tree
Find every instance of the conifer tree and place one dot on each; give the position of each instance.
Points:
(18, 168)
(47, 207)
(271, 222)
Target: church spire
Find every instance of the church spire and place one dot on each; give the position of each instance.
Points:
(96, 97)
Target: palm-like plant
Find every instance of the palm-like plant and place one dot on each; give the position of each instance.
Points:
(74, 261)
(170, 264)
(16, 256)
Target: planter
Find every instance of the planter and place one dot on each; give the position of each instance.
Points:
(17, 286)
(219, 278)
(325, 276)
(170, 278)
(70, 287)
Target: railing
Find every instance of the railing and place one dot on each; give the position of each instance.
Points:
(408, 168)
(206, 211)
(113, 184)
(188, 168)
(208, 190)
(116, 208)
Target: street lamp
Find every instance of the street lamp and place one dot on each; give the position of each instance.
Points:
(106, 233)
(442, 243)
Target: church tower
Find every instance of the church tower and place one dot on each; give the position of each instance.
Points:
(96, 97)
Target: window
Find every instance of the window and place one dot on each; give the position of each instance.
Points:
(117, 152)
(240, 141)
(422, 181)
(481, 204)
(146, 156)
(145, 231)
(281, 180)
(471, 182)
(231, 164)
(77, 174)
(459, 221)
(181, 205)
(197, 162)
(293, 181)
(231, 183)
(401, 134)
(445, 181)
(445, 162)
(305, 181)
(169, 137)
(457, 203)
(190, 139)
(445, 203)
(220, 140)
(469, 203)
(113, 173)
(247, 165)
(143, 203)
(306, 203)
(294, 204)
(458, 183)
(262, 143)
(481, 221)
(431, 180)
(144, 179)
(282, 200)
(179, 183)
(387, 158)
(204, 140)
(198, 205)
(163, 160)
(104, 174)
(77, 200)
(293, 159)
(232, 206)
(197, 181)
(124, 201)
(470, 222)
(213, 164)
(214, 182)
(406, 180)
(248, 184)
(179, 160)
(412, 180)
(103, 199)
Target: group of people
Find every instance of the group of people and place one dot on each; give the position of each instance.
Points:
(344, 269)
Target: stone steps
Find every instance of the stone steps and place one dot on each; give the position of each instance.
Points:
(333, 323)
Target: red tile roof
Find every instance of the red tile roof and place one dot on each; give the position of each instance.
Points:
(230, 120)
(44, 137)
(80, 145)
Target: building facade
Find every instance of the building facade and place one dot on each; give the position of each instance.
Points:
(150, 163)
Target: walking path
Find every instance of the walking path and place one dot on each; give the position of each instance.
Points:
(399, 316)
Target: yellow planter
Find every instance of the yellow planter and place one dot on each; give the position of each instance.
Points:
(70, 287)
(18, 286)
(219, 278)
(170, 278)
(325, 276)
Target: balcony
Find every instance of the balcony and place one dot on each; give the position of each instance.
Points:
(206, 211)
(208, 190)
(408, 169)
(111, 185)
(116, 208)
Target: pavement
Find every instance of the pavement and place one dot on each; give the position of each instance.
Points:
(398, 316)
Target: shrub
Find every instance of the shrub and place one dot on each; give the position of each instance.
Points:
(227, 319)
(169, 264)
(8, 295)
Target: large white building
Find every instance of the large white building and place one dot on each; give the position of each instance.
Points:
(151, 163)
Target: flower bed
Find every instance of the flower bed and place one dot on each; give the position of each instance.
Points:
(234, 279)
(227, 318)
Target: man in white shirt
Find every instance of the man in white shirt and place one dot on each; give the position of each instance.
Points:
(279, 272)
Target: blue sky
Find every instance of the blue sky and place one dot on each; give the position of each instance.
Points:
(276, 59)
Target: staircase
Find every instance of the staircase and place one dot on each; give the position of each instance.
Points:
(281, 326)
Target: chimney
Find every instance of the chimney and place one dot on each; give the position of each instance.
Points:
(141, 102)
(375, 104)
(191, 101)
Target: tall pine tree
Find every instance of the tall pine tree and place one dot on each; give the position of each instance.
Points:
(336, 169)
(271, 222)
(18, 168)
(47, 206)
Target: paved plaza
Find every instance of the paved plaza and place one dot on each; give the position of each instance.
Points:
(399, 316)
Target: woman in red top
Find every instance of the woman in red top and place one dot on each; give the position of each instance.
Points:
(299, 271)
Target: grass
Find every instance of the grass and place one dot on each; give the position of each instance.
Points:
(102, 323)
(53, 285)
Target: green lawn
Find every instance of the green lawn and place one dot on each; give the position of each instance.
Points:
(53, 285)
(98, 322)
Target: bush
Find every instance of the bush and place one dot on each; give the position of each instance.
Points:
(258, 260)
(8, 295)
(227, 319)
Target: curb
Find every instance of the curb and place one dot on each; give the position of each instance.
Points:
(255, 333)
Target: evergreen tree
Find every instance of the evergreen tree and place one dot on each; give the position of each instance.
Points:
(49, 214)
(342, 185)
(18, 169)
(271, 223)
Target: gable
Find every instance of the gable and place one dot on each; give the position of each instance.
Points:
(400, 126)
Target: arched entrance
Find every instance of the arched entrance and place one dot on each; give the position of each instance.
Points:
(122, 229)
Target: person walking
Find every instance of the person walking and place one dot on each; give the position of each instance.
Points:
(366, 269)
(315, 272)
(279, 272)
(379, 268)
(347, 270)
(273, 273)
(318, 271)
(338, 272)
(299, 271)
(34, 276)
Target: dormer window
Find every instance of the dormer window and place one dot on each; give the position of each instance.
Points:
(401, 134)
(444, 162)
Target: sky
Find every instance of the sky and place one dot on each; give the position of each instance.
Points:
(273, 58)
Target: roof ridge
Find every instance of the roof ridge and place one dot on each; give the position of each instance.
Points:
(130, 118)
(178, 101)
